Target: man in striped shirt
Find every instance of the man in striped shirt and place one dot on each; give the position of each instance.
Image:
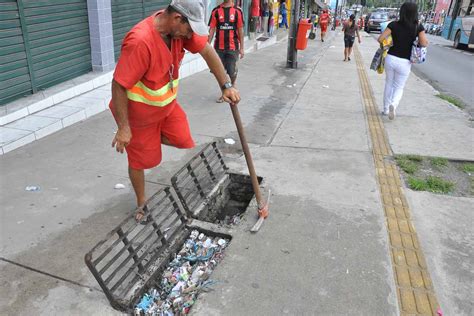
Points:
(227, 23)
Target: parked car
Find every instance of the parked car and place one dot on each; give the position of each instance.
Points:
(373, 23)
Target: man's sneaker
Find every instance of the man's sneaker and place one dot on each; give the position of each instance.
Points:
(391, 112)
(384, 113)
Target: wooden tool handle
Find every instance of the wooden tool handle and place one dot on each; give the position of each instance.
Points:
(248, 156)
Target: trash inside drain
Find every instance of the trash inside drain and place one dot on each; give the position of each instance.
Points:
(184, 277)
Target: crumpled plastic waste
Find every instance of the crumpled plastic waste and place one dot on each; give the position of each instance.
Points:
(184, 277)
(229, 141)
(230, 220)
(119, 186)
(32, 188)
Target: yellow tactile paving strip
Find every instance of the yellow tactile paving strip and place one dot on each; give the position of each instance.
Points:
(415, 291)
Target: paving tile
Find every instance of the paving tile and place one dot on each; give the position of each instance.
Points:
(58, 111)
(92, 106)
(83, 87)
(49, 92)
(422, 303)
(99, 93)
(13, 116)
(48, 130)
(104, 79)
(23, 102)
(105, 87)
(74, 118)
(41, 105)
(8, 135)
(64, 95)
(26, 139)
(408, 301)
(33, 123)
(184, 71)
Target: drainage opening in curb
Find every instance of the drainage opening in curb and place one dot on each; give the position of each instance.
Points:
(209, 192)
(134, 259)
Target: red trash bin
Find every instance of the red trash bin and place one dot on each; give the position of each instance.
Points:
(301, 39)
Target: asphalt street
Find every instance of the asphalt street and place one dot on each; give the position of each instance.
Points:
(449, 70)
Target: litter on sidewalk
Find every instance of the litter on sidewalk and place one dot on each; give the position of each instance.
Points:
(229, 141)
(32, 188)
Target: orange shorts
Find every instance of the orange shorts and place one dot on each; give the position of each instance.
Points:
(144, 150)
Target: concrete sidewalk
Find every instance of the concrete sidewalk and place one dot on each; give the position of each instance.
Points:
(324, 249)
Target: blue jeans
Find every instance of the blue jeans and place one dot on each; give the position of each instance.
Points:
(284, 21)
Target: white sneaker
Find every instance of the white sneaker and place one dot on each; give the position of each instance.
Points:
(384, 113)
(391, 112)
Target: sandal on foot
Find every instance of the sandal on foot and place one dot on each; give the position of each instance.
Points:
(141, 215)
(220, 100)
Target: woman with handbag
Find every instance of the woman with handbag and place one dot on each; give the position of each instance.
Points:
(283, 15)
(405, 32)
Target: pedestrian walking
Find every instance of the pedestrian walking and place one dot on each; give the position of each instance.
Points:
(397, 63)
(350, 29)
(323, 23)
(312, 33)
(227, 23)
(271, 21)
(145, 86)
(316, 21)
(284, 15)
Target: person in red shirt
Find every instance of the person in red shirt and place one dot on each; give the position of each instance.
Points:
(227, 23)
(324, 22)
(145, 86)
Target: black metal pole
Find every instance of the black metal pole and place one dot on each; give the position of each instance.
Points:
(335, 16)
(292, 55)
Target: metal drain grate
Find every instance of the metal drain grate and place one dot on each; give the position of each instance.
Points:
(127, 261)
(199, 178)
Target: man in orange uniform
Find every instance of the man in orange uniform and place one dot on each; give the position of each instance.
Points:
(324, 22)
(145, 86)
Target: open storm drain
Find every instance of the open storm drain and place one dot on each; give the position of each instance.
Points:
(209, 192)
(160, 267)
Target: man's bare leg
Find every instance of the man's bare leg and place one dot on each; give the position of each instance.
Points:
(137, 177)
